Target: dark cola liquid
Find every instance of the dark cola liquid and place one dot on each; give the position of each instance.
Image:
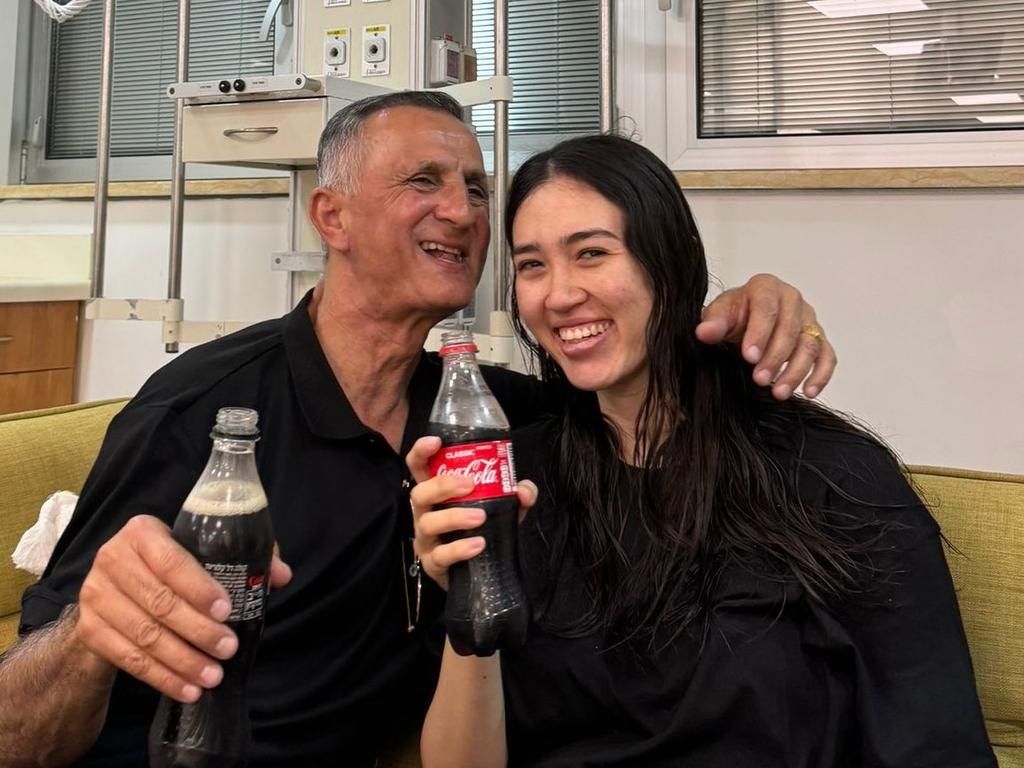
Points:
(486, 608)
(214, 731)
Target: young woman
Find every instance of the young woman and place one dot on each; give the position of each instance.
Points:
(717, 579)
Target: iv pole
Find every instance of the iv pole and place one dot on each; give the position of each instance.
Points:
(99, 221)
(178, 170)
(96, 306)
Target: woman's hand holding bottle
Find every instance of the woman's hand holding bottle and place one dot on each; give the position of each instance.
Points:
(435, 556)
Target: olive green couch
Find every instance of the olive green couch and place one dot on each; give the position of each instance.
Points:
(40, 452)
(982, 515)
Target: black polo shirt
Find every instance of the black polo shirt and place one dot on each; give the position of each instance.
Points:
(337, 671)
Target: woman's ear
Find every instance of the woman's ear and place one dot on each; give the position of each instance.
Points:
(326, 214)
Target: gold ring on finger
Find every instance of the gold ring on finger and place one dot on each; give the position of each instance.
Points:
(813, 330)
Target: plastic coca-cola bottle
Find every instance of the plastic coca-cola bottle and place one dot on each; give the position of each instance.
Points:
(486, 607)
(225, 524)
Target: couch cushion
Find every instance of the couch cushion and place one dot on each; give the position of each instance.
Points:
(982, 516)
(8, 631)
(42, 452)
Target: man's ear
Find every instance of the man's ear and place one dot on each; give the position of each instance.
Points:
(325, 213)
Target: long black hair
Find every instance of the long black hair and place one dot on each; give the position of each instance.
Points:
(706, 486)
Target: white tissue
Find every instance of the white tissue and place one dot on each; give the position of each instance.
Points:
(38, 542)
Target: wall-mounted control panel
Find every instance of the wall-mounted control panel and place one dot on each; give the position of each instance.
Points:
(383, 42)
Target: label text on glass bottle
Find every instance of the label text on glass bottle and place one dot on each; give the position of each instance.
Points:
(489, 464)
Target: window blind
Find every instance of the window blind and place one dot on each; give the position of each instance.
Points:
(770, 67)
(223, 41)
(554, 59)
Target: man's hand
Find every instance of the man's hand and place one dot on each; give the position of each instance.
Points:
(774, 327)
(148, 607)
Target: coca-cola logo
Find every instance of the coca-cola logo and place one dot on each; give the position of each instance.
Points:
(488, 464)
(481, 470)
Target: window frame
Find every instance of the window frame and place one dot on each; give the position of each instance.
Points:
(685, 151)
(33, 59)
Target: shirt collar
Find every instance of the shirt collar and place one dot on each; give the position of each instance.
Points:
(324, 405)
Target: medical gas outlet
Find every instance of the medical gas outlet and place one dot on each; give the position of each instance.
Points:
(337, 44)
(376, 50)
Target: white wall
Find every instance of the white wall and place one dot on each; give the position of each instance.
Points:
(919, 291)
(226, 273)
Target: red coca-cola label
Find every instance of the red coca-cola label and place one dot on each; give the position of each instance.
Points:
(489, 464)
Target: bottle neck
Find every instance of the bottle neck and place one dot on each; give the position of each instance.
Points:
(230, 483)
(233, 445)
(461, 369)
(232, 458)
(460, 359)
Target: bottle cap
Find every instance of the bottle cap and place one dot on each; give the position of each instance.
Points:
(237, 423)
(457, 348)
(454, 342)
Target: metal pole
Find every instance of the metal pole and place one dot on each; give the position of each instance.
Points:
(294, 211)
(501, 263)
(178, 169)
(99, 221)
(607, 67)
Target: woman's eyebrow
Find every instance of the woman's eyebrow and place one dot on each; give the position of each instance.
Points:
(586, 234)
(525, 248)
(568, 240)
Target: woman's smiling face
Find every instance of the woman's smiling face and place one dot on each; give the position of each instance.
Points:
(579, 290)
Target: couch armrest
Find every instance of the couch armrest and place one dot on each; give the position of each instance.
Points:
(41, 452)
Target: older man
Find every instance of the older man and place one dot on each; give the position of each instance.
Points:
(343, 388)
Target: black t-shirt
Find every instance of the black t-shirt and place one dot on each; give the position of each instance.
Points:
(337, 672)
(782, 681)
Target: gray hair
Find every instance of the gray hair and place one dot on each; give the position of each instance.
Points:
(340, 154)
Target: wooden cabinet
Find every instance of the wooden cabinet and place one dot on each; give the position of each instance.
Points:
(38, 345)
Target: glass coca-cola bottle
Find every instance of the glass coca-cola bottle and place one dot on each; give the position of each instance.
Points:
(486, 607)
(225, 524)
